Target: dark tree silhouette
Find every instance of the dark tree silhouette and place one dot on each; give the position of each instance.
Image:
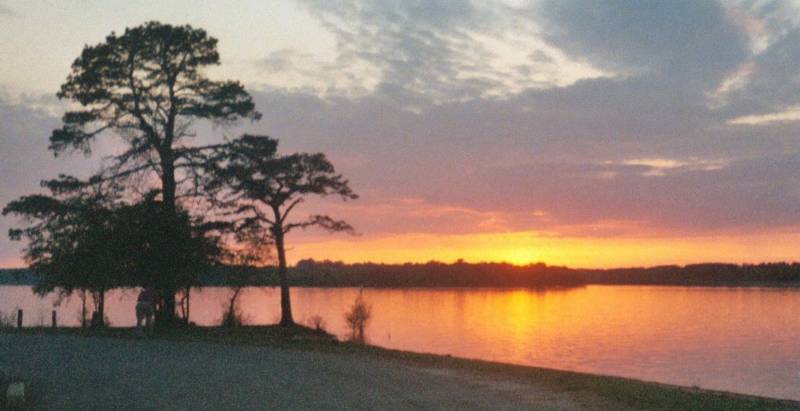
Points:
(263, 188)
(89, 241)
(69, 244)
(147, 87)
(191, 245)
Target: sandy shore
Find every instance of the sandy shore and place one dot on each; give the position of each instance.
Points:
(73, 372)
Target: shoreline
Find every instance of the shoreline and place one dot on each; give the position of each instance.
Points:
(618, 391)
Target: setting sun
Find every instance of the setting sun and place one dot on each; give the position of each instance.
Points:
(527, 247)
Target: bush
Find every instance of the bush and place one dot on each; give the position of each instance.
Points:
(8, 320)
(233, 315)
(316, 322)
(358, 318)
(99, 322)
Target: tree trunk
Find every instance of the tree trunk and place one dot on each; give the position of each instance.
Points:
(168, 306)
(101, 308)
(83, 308)
(98, 316)
(168, 188)
(188, 294)
(286, 303)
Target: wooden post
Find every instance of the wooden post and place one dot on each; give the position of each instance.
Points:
(54, 319)
(188, 294)
(19, 318)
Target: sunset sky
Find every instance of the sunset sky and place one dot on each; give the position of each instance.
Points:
(572, 132)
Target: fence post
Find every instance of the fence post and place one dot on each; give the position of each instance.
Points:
(19, 318)
(54, 319)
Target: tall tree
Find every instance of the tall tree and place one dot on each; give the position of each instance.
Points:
(263, 189)
(147, 86)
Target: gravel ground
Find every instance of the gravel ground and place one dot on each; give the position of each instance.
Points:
(67, 372)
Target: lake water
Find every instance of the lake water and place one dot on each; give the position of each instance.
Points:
(735, 339)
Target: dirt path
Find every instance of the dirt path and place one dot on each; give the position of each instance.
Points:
(94, 373)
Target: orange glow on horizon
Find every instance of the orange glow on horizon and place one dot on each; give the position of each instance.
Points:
(529, 247)
(525, 247)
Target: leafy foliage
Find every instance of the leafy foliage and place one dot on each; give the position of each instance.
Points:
(264, 188)
(154, 244)
(69, 242)
(261, 189)
(148, 87)
(88, 242)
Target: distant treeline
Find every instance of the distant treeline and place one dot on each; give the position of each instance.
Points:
(460, 274)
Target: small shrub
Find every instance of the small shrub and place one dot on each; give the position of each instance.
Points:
(232, 316)
(8, 320)
(97, 322)
(316, 322)
(358, 318)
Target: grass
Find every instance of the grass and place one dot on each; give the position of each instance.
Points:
(613, 390)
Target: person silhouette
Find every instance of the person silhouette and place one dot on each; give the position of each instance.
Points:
(145, 308)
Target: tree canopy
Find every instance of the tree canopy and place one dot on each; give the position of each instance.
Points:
(147, 86)
(70, 244)
(266, 187)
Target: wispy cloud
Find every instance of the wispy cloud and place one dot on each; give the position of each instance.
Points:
(789, 115)
(442, 50)
(662, 166)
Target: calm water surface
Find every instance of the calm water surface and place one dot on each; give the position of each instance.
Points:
(736, 339)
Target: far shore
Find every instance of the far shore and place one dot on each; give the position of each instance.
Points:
(310, 273)
(523, 385)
